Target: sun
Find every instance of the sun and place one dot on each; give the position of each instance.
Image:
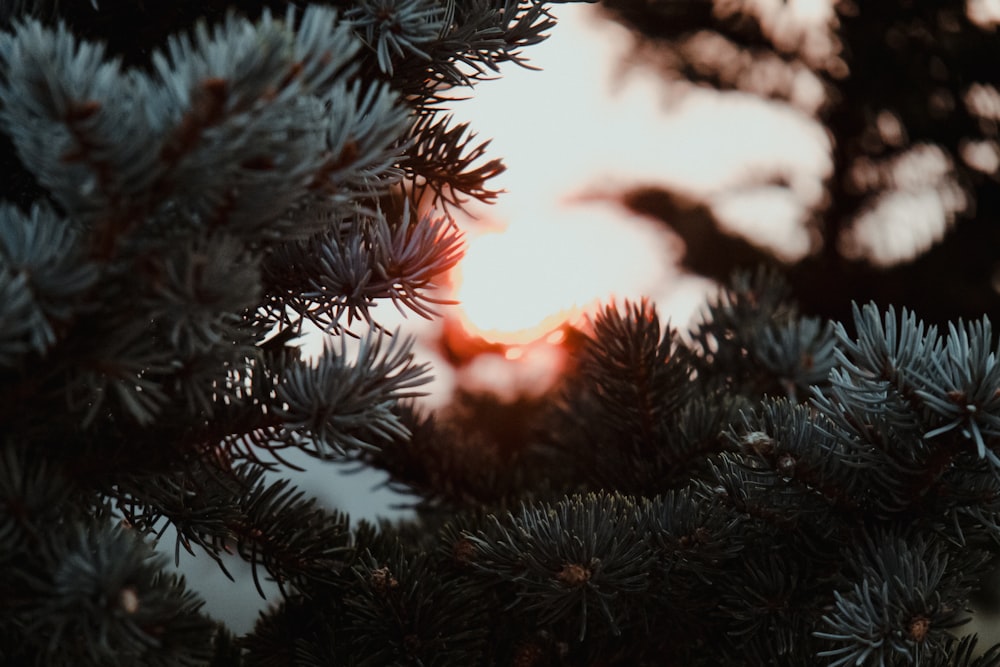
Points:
(517, 285)
(520, 281)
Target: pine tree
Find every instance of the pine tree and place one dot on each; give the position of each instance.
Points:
(769, 488)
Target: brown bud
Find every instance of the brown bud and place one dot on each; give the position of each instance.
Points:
(919, 627)
(383, 581)
(527, 655)
(574, 574)
(463, 550)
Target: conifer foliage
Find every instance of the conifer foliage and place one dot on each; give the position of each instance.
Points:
(767, 489)
(177, 211)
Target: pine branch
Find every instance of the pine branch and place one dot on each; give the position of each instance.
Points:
(566, 562)
(442, 165)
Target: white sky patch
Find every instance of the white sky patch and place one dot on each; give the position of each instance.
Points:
(917, 199)
(899, 226)
(984, 13)
(743, 210)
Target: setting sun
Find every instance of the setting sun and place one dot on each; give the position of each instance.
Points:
(518, 284)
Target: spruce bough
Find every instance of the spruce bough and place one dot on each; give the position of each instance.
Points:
(767, 489)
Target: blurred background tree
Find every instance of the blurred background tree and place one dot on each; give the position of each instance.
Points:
(907, 93)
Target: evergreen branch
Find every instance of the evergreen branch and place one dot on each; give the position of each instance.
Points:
(271, 524)
(760, 495)
(290, 536)
(402, 610)
(481, 36)
(365, 139)
(200, 294)
(963, 388)
(345, 271)
(58, 110)
(769, 606)
(693, 537)
(633, 378)
(799, 354)
(124, 372)
(272, 62)
(452, 465)
(741, 327)
(974, 501)
(234, 122)
(395, 29)
(899, 610)
(807, 452)
(199, 505)
(99, 594)
(441, 162)
(303, 619)
(43, 279)
(967, 654)
(331, 406)
(33, 497)
(568, 561)
(414, 255)
(891, 390)
(887, 349)
(524, 28)
(695, 434)
(631, 361)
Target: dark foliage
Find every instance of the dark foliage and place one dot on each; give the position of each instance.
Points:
(768, 489)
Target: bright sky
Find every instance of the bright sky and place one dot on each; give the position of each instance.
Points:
(579, 132)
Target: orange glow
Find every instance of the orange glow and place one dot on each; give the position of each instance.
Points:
(513, 353)
(522, 370)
